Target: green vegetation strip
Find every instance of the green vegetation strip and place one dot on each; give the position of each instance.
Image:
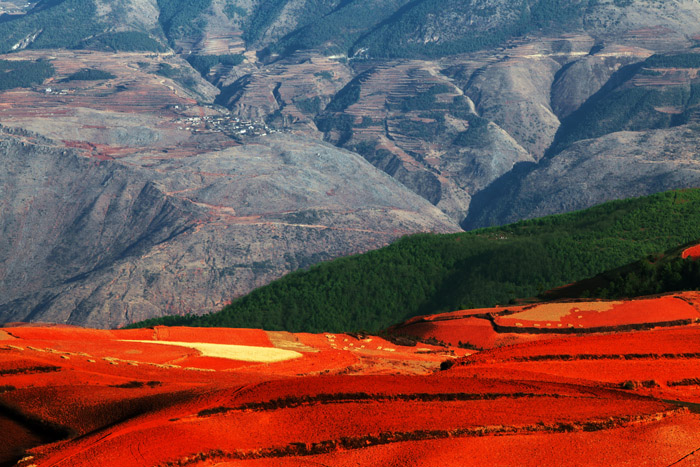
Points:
(28, 370)
(90, 74)
(345, 398)
(136, 384)
(656, 274)
(590, 330)
(426, 273)
(685, 382)
(388, 437)
(128, 41)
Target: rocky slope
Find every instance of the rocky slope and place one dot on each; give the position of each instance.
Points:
(447, 125)
(615, 166)
(477, 113)
(636, 135)
(107, 243)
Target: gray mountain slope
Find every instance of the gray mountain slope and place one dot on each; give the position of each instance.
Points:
(615, 166)
(108, 243)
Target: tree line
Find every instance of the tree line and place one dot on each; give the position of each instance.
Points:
(426, 273)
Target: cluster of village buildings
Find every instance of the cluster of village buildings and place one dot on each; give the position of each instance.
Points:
(227, 124)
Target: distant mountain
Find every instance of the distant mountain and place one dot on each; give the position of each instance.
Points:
(105, 243)
(478, 113)
(426, 274)
(592, 171)
(444, 96)
(51, 24)
(448, 97)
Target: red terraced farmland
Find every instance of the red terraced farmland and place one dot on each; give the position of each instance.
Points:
(634, 445)
(603, 313)
(279, 428)
(659, 357)
(345, 399)
(16, 439)
(659, 341)
(474, 332)
(496, 327)
(89, 407)
(614, 371)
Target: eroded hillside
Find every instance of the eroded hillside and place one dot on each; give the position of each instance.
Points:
(194, 167)
(108, 242)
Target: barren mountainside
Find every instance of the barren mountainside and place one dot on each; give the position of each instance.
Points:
(181, 154)
(108, 243)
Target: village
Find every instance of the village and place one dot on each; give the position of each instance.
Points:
(223, 122)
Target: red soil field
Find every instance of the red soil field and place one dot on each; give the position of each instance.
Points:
(476, 332)
(667, 361)
(693, 252)
(604, 313)
(79, 397)
(654, 442)
(495, 327)
(16, 439)
(681, 340)
(282, 427)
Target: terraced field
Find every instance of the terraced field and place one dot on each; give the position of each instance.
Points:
(154, 397)
(493, 327)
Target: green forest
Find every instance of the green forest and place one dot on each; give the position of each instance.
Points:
(264, 15)
(89, 74)
(654, 274)
(339, 29)
(392, 38)
(71, 24)
(388, 29)
(56, 24)
(426, 273)
(126, 41)
(383, 29)
(23, 73)
(649, 277)
(180, 18)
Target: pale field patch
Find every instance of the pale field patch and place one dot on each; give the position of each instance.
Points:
(244, 353)
(5, 336)
(556, 311)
